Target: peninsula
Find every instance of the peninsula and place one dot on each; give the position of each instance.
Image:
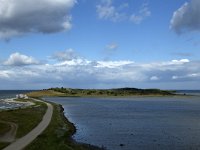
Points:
(118, 92)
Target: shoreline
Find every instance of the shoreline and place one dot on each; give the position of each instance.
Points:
(74, 130)
(58, 134)
(52, 93)
(89, 122)
(11, 104)
(71, 126)
(120, 92)
(127, 97)
(14, 104)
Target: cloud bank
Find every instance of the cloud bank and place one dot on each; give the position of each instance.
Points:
(19, 17)
(20, 71)
(187, 17)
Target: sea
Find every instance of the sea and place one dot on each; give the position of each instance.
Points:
(6, 94)
(189, 92)
(136, 123)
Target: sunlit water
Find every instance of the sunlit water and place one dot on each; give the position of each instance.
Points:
(147, 123)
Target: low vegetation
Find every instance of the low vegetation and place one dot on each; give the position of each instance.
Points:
(58, 134)
(4, 128)
(100, 92)
(48, 93)
(23, 100)
(25, 118)
(3, 145)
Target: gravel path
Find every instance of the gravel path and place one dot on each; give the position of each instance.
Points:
(21, 143)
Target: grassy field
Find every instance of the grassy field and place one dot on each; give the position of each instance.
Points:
(23, 100)
(58, 135)
(26, 119)
(37, 94)
(121, 92)
(4, 128)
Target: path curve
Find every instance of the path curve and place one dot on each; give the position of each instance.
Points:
(21, 143)
(10, 135)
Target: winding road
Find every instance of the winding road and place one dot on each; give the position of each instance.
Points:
(21, 143)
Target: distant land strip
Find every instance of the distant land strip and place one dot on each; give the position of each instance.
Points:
(118, 92)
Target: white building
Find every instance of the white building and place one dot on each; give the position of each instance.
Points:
(23, 96)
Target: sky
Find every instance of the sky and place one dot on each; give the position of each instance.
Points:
(99, 44)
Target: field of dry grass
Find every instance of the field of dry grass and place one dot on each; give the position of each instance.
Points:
(42, 93)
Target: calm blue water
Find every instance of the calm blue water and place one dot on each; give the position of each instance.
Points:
(138, 123)
(10, 94)
(189, 92)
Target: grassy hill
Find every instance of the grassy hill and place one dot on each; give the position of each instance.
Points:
(100, 92)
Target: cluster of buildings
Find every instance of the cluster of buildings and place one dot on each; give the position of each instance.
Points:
(21, 96)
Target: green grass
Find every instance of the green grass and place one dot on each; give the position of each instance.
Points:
(111, 92)
(3, 145)
(22, 100)
(58, 134)
(120, 92)
(4, 128)
(26, 118)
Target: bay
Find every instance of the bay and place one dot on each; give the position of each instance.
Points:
(143, 123)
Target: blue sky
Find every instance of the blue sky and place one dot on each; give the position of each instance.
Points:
(99, 44)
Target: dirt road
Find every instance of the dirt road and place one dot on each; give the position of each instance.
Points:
(19, 144)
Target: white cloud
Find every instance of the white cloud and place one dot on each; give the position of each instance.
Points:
(74, 62)
(107, 10)
(83, 73)
(154, 78)
(112, 46)
(4, 74)
(19, 17)
(186, 76)
(181, 61)
(17, 59)
(194, 75)
(110, 50)
(187, 17)
(112, 64)
(175, 77)
(143, 13)
(66, 55)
